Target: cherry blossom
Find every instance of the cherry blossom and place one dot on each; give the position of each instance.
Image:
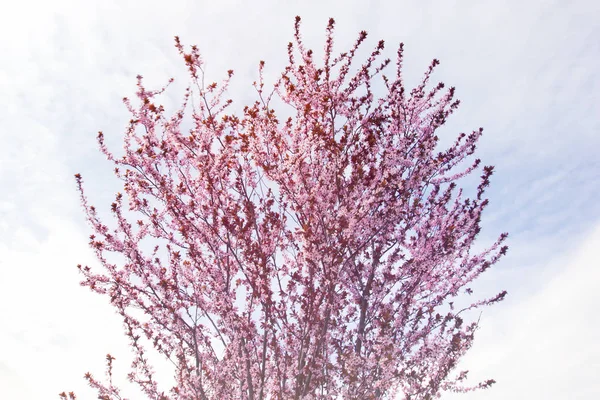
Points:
(314, 257)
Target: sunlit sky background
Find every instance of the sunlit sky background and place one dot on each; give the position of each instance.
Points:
(525, 70)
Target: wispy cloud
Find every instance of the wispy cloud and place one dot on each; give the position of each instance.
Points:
(526, 71)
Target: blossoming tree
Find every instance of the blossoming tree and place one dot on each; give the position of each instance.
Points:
(313, 257)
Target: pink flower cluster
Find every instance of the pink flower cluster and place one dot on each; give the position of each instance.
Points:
(315, 257)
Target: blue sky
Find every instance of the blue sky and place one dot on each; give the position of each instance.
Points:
(527, 71)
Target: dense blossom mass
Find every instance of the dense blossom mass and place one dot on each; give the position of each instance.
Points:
(313, 257)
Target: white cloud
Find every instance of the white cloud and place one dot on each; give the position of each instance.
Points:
(526, 71)
(544, 346)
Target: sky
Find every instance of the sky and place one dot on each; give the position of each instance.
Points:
(527, 71)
